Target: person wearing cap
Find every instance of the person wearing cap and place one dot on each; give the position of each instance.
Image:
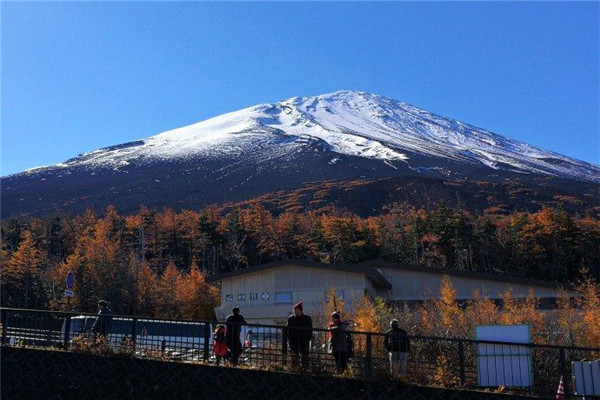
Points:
(233, 332)
(338, 341)
(103, 321)
(299, 335)
(397, 345)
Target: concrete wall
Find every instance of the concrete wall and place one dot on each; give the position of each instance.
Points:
(41, 374)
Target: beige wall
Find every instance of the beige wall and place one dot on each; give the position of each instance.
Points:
(306, 284)
(309, 285)
(416, 285)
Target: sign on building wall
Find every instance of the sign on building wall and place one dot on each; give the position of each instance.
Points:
(504, 364)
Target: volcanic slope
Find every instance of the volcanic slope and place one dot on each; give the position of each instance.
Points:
(342, 136)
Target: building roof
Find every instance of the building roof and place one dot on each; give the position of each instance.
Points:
(466, 274)
(371, 273)
(371, 269)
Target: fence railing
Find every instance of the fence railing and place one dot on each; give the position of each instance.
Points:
(459, 363)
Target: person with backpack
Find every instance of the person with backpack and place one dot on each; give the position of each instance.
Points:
(103, 321)
(219, 343)
(338, 342)
(397, 345)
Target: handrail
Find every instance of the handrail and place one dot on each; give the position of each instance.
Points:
(270, 346)
(417, 337)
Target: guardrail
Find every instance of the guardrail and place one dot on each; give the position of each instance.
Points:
(523, 368)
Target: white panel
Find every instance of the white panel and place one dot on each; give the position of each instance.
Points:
(586, 378)
(504, 365)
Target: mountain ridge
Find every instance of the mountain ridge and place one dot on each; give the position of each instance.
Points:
(345, 135)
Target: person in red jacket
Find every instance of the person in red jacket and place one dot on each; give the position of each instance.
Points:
(219, 343)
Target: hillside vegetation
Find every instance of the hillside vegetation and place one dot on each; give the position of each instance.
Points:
(154, 263)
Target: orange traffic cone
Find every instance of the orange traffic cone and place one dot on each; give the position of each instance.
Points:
(560, 393)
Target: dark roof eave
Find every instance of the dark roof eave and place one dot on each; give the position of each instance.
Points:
(368, 266)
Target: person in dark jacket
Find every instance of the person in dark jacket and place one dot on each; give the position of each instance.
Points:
(397, 345)
(104, 319)
(299, 335)
(234, 328)
(338, 341)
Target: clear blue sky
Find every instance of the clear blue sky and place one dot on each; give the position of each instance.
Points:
(77, 76)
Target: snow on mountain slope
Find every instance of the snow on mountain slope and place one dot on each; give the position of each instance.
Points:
(350, 123)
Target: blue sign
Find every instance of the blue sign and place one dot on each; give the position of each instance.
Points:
(70, 281)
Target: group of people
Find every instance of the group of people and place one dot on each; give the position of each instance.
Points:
(227, 342)
(340, 344)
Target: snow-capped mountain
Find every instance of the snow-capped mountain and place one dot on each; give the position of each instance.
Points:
(349, 123)
(269, 147)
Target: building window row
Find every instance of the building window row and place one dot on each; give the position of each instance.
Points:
(280, 297)
(242, 296)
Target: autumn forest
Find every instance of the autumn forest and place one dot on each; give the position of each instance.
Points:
(155, 263)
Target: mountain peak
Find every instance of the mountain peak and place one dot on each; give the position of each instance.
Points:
(348, 123)
(346, 135)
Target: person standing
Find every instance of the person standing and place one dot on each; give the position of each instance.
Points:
(338, 341)
(104, 319)
(299, 335)
(233, 331)
(219, 343)
(398, 345)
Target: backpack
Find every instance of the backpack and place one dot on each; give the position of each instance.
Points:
(350, 345)
(398, 341)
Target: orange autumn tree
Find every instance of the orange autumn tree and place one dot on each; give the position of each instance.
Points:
(523, 311)
(373, 315)
(480, 310)
(366, 316)
(195, 298)
(76, 263)
(587, 328)
(23, 270)
(146, 291)
(331, 303)
(167, 306)
(451, 315)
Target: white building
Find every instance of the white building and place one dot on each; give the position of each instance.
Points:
(266, 293)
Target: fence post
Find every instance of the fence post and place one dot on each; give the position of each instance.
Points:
(4, 323)
(461, 362)
(369, 356)
(206, 341)
(284, 345)
(67, 331)
(564, 372)
(134, 335)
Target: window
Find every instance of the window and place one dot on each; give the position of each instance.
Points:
(229, 297)
(241, 296)
(253, 296)
(283, 298)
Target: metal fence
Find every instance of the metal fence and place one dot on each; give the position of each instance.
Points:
(457, 363)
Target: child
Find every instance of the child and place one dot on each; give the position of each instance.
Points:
(219, 342)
